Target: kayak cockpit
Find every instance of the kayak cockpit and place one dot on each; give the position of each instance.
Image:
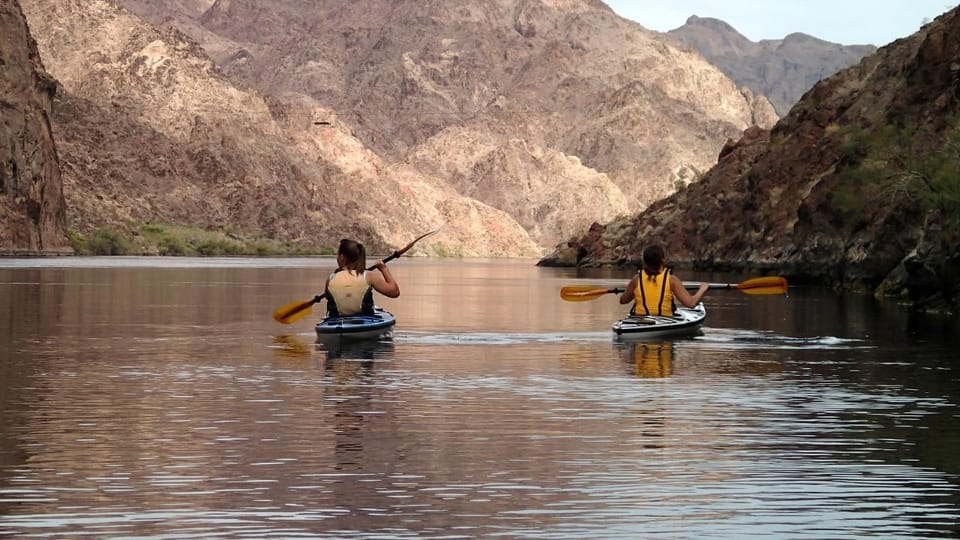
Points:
(686, 322)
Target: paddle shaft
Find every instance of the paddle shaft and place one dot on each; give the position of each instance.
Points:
(686, 285)
(696, 285)
(406, 248)
(755, 286)
(389, 258)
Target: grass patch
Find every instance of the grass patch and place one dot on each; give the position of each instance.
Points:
(186, 241)
(107, 242)
(181, 241)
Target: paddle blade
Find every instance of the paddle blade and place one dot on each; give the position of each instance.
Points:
(764, 285)
(293, 311)
(585, 293)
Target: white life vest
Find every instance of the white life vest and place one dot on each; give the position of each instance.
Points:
(348, 289)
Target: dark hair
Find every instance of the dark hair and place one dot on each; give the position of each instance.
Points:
(653, 257)
(354, 255)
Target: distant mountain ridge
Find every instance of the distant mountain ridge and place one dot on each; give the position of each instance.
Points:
(781, 70)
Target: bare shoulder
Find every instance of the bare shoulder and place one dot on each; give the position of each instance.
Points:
(676, 283)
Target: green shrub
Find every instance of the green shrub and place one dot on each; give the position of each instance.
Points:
(263, 249)
(216, 247)
(108, 242)
(888, 165)
(171, 245)
(77, 242)
(938, 176)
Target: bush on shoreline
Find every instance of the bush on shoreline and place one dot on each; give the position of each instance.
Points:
(180, 241)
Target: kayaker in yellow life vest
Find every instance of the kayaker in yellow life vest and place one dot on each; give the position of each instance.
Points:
(655, 288)
(349, 289)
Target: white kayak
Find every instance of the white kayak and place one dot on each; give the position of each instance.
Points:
(686, 322)
(357, 327)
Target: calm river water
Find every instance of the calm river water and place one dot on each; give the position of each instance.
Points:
(157, 398)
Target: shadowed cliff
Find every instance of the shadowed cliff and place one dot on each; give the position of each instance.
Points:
(32, 210)
(858, 187)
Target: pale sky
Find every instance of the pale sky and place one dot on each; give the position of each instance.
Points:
(848, 22)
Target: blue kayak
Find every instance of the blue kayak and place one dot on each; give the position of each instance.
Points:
(686, 322)
(358, 327)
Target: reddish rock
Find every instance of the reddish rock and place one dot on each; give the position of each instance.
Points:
(32, 209)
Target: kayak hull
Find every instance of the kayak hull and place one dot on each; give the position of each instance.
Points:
(687, 322)
(358, 327)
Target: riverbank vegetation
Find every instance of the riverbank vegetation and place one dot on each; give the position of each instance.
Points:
(178, 240)
(888, 165)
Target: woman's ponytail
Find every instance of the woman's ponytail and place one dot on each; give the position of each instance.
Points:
(354, 255)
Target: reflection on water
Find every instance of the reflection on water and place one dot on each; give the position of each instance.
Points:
(374, 350)
(164, 402)
(651, 359)
(289, 346)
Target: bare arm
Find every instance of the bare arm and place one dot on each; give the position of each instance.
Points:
(629, 294)
(681, 294)
(383, 281)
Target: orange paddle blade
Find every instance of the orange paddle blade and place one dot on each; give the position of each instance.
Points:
(585, 293)
(764, 285)
(293, 311)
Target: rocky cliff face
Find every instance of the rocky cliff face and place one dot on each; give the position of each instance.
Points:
(506, 101)
(151, 132)
(32, 211)
(856, 187)
(781, 69)
(516, 122)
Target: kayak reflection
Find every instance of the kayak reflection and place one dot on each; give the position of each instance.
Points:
(651, 359)
(350, 389)
(337, 348)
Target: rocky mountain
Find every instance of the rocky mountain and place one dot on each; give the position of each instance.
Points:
(459, 91)
(150, 131)
(515, 122)
(780, 69)
(32, 210)
(570, 76)
(859, 186)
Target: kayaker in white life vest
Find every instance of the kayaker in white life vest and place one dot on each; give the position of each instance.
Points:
(654, 288)
(349, 289)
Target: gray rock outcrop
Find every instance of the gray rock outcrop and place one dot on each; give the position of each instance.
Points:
(780, 69)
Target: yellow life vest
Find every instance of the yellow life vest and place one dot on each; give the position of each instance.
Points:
(348, 289)
(654, 295)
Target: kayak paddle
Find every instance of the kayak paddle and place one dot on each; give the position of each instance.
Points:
(294, 311)
(406, 248)
(760, 285)
(585, 293)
